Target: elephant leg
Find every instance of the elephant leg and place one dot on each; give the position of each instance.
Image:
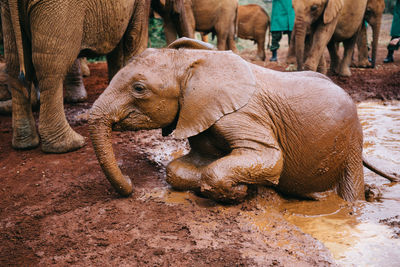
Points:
(226, 178)
(24, 127)
(115, 60)
(84, 67)
(74, 89)
(362, 49)
(351, 183)
(184, 173)
(261, 47)
(230, 41)
(53, 53)
(344, 69)
(333, 53)
(23, 123)
(322, 65)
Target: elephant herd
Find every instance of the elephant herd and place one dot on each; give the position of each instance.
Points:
(210, 97)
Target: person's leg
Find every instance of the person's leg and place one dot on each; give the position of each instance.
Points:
(276, 37)
(391, 47)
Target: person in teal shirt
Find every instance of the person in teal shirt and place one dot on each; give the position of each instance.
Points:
(282, 21)
(394, 33)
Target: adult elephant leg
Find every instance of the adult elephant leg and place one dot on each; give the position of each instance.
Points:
(362, 48)
(333, 53)
(74, 89)
(344, 69)
(53, 53)
(24, 128)
(115, 60)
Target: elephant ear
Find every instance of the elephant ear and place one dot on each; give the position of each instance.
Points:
(213, 85)
(332, 10)
(189, 43)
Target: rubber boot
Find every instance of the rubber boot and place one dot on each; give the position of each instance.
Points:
(389, 57)
(274, 57)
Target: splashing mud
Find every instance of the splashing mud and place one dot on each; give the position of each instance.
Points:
(367, 234)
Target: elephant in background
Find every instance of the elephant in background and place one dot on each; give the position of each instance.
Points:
(42, 39)
(322, 23)
(373, 15)
(216, 16)
(253, 24)
(175, 19)
(246, 125)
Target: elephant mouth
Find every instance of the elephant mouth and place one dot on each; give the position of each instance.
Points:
(133, 121)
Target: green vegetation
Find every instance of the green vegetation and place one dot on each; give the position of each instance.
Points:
(156, 33)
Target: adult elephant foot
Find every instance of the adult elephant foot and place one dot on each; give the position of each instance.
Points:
(66, 142)
(74, 89)
(345, 71)
(75, 93)
(25, 136)
(6, 107)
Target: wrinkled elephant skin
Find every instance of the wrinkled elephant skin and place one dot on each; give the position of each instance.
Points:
(246, 125)
(59, 32)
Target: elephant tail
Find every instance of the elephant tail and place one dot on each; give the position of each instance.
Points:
(391, 177)
(235, 34)
(16, 26)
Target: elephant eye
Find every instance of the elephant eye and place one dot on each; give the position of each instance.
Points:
(138, 88)
(314, 7)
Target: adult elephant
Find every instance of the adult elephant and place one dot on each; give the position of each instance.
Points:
(42, 40)
(253, 24)
(373, 15)
(246, 125)
(322, 23)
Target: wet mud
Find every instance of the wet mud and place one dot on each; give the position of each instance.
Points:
(60, 209)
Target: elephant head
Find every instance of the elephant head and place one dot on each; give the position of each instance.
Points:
(173, 89)
(309, 13)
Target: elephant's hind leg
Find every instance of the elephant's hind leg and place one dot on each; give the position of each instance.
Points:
(24, 127)
(74, 88)
(351, 183)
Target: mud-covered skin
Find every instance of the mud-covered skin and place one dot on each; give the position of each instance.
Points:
(246, 124)
(253, 24)
(321, 23)
(58, 32)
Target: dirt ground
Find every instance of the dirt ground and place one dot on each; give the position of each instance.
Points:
(60, 210)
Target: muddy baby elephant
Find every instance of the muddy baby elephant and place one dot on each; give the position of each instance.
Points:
(246, 125)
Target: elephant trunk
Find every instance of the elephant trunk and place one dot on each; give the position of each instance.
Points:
(300, 37)
(375, 38)
(104, 113)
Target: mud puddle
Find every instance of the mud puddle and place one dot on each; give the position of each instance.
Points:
(367, 234)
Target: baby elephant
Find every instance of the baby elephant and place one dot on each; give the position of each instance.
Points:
(246, 125)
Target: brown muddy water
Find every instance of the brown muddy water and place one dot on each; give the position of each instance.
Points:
(364, 234)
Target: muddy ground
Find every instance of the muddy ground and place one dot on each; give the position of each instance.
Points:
(60, 209)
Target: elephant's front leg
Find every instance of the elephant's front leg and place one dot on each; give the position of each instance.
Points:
(226, 179)
(184, 173)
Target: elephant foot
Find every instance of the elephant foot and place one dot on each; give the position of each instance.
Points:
(345, 72)
(364, 64)
(225, 194)
(25, 137)
(6, 107)
(84, 67)
(291, 67)
(67, 142)
(75, 93)
(181, 176)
